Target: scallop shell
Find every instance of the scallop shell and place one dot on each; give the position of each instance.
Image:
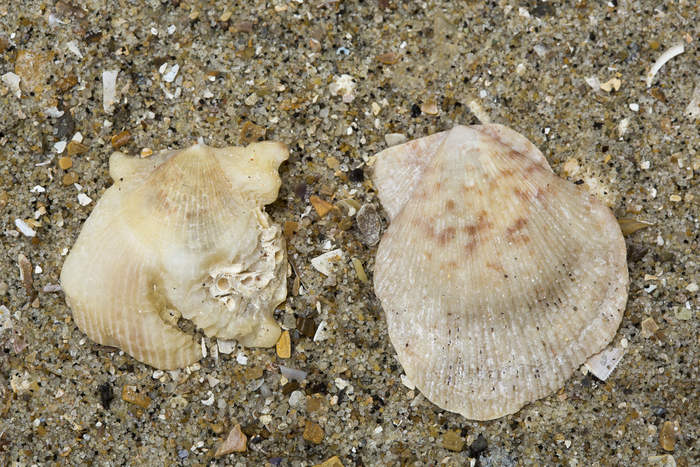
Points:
(181, 234)
(498, 278)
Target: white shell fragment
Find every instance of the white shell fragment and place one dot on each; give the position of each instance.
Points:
(604, 362)
(498, 278)
(23, 227)
(661, 61)
(109, 90)
(326, 262)
(12, 80)
(181, 234)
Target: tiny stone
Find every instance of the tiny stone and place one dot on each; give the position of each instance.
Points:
(369, 223)
(415, 110)
(333, 163)
(649, 327)
(332, 462)
(306, 326)
(65, 163)
(253, 373)
(75, 147)
(297, 399)
(429, 108)
(131, 394)
(453, 441)
(252, 133)
(478, 446)
(313, 432)
(290, 387)
(322, 206)
(394, 139)
(70, 178)
(356, 175)
(668, 434)
(290, 228)
(121, 139)
(284, 346)
(388, 58)
(66, 83)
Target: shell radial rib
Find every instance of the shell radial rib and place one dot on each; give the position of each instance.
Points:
(498, 278)
(181, 234)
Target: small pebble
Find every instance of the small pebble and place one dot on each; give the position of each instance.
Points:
(332, 462)
(252, 133)
(131, 394)
(297, 399)
(253, 373)
(65, 163)
(321, 206)
(478, 446)
(388, 58)
(121, 139)
(453, 441)
(283, 346)
(70, 178)
(369, 223)
(394, 139)
(290, 228)
(75, 147)
(313, 432)
(333, 163)
(356, 175)
(649, 327)
(429, 108)
(668, 434)
(306, 326)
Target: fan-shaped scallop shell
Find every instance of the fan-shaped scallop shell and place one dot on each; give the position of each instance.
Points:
(498, 278)
(181, 234)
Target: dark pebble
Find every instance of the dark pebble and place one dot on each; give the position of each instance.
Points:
(306, 326)
(300, 191)
(65, 126)
(636, 252)
(543, 9)
(415, 110)
(290, 387)
(478, 446)
(356, 175)
(658, 411)
(586, 382)
(106, 395)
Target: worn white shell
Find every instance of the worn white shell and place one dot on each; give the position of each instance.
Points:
(181, 234)
(498, 278)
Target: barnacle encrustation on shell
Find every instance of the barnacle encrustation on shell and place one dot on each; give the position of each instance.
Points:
(181, 234)
(497, 277)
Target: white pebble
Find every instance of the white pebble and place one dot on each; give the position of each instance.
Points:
(394, 139)
(297, 399)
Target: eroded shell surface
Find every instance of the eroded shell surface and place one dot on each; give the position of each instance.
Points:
(498, 278)
(181, 234)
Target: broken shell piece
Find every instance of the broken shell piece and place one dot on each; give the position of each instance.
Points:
(181, 234)
(603, 363)
(498, 278)
(236, 442)
(327, 261)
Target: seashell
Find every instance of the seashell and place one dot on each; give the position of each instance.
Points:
(181, 234)
(498, 278)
